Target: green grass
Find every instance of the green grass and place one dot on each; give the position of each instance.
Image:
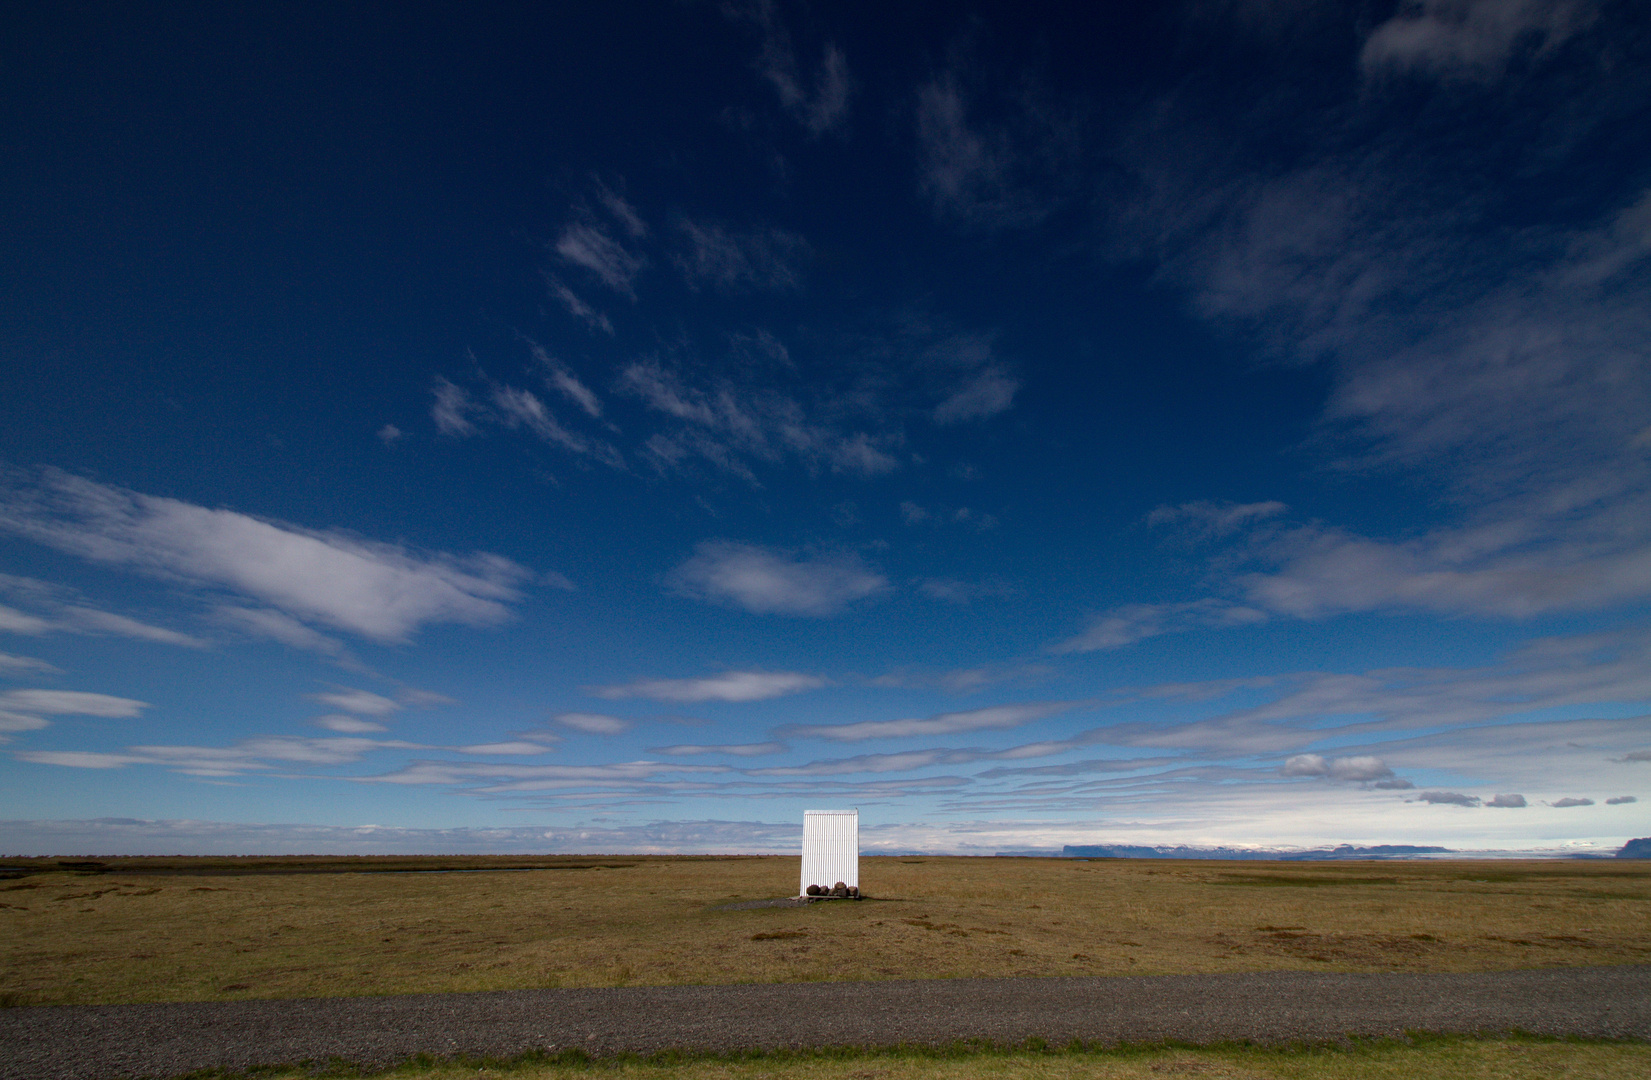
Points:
(1418, 1057)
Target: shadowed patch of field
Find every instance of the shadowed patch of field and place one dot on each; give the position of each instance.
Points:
(134, 930)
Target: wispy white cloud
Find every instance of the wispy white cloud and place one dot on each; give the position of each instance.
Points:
(843, 405)
(589, 246)
(1135, 622)
(453, 408)
(762, 259)
(970, 379)
(995, 717)
(1547, 674)
(1362, 767)
(577, 307)
(265, 623)
(726, 422)
(820, 103)
(729, 686)
(906, 760)
(1507, 366)
(1215, 518)
(565, 382)
(380, 591)
(982, 394)
(12, 666)
(594, 723)
(515, 408)
(514, 748)
(494, 778)
(962, 680)
(1506, 802)
(761, 749)
(914, 514)
(1472, 39)
(348, 725)
(248, 755)
(13, 722)
(589, 240)
(363, 702)
(767, 581)
(954, 591)
(460, 413)
(71, 703)
(1507, 567)
(870, 763)
(107, 622)
(79, 619)
(1561, 804)
(965, 168)
(13, 621)
(70, 615)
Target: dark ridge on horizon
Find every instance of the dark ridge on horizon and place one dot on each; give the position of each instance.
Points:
(1633, 849)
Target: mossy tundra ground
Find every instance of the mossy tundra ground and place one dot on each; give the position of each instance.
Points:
(136, 930)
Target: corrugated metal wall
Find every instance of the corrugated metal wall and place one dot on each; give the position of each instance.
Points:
(831, 848)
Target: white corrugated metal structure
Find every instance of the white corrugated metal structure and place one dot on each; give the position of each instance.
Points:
(831, 848)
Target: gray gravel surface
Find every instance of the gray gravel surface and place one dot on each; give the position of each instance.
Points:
(67, 1043)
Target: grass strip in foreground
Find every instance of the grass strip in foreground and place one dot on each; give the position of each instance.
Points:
(1416, 1057)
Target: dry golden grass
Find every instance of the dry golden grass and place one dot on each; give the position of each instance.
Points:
(1432, 1059)
(222, 929)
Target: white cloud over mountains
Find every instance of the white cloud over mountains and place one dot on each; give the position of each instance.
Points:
(384, 592)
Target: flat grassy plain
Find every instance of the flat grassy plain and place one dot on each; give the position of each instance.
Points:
(140, 930)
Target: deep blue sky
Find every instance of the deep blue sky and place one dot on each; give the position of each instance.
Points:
(623, 426)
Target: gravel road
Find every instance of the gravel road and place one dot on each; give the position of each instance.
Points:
(105, 1041)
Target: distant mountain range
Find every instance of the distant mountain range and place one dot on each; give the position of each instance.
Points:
(1633, 849)
(1343, 851)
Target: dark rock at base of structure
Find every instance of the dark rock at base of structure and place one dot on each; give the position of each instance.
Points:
(815, 890)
